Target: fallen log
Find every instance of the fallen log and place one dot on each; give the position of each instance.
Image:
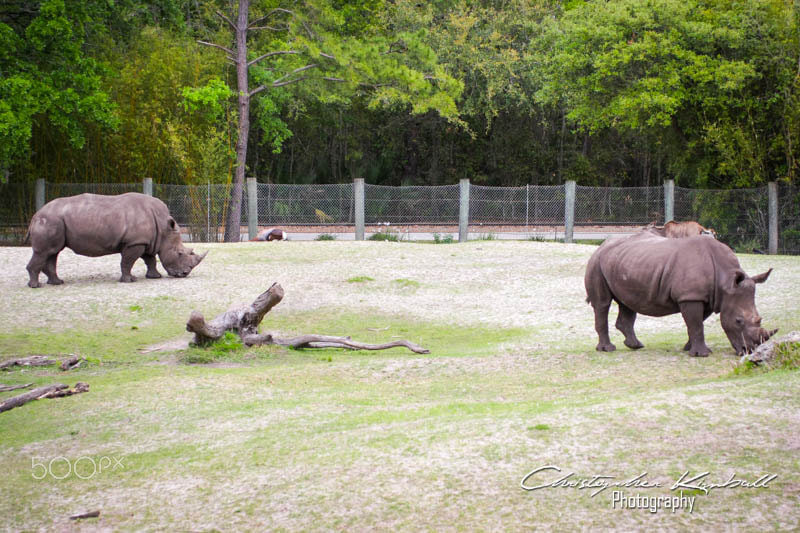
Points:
(244, 320)
(35, 394)
(71, 362)
(81, 516)
(56, 390)
(33, 360)
(7, 388)
(328, 341)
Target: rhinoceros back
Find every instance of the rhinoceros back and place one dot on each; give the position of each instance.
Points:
(652, 274)
(95, 225)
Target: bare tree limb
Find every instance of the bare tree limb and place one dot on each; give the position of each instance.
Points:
(270, 54)
(7, 388)
(33, 360)
(244, 320)
(221, 15)
(228, 50)
(271, 28)
(328, 341)
(268, 15)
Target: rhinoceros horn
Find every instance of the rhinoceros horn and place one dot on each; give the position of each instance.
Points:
(198, 258)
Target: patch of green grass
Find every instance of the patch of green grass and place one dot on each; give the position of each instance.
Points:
(540, 427)
(487, 237)
(384, 236)
(406, 283)
(360, 279)
(326, 237)
(443, 239)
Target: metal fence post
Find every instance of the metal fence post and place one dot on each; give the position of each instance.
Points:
(569, 210)
(358, 197)
(463, 210)
(39, 193)
(669, 200)
(772, 190)
(147, 186)
(252, 208)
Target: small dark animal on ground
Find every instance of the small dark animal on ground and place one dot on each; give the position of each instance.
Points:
(271, 234)
(657, 276)
(132, 224)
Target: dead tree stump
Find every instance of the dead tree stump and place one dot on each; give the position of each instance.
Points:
(244, 320)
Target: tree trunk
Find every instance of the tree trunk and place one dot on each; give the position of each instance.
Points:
(234, 221)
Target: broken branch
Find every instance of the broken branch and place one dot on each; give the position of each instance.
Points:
(245, 320)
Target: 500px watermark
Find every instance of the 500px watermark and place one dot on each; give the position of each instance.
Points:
(83, 467)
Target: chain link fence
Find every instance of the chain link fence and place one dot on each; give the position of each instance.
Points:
(411, 205)
(517, 206)
(789, 219)
(618, 206)
(305, 204)
(739, 217)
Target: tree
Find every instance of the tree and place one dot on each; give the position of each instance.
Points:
(46, 79)
(328, 42)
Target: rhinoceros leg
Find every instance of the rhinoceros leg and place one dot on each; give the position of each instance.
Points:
(693, 315)
(35, 265)
(129, 257)
(152, 271)
(50, 270)
(625, 321)
(601, 326)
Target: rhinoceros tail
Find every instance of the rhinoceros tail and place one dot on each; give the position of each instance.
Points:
(27, 238)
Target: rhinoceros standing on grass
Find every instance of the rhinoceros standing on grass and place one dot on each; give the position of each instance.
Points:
(658, 276)
(132, 224)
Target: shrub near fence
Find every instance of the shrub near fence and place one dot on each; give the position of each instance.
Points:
(740, 217)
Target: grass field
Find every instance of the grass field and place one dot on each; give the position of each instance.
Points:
(276, 439)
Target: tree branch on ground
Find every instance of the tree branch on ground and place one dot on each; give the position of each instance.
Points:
(244, 320)
(56, 390)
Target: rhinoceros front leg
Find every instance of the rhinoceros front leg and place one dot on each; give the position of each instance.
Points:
(129, 257)
(601, 326)
(625, 321)
(152, 271)
(693, 315)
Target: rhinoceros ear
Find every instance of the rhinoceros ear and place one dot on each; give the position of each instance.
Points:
(172, 224)
(738, 278)
(761, 278)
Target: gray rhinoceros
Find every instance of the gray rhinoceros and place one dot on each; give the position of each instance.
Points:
(657, 276)
(131, 224)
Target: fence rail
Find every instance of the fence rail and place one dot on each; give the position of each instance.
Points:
(740, 217)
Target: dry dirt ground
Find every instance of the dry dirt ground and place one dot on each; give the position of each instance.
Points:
(289, 441)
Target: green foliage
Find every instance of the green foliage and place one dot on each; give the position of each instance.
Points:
(222, 348)
(360, 279)
(384, 235)
(785, 357)
(326, 237)
(48, 81)
(443, 239)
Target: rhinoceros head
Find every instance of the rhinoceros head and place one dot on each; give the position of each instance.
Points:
(738, 314)
(175, 257)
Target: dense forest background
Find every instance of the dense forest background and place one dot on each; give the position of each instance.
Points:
(625, 93)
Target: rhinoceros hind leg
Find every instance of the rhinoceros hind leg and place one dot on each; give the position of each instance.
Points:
(625, 321)
(693, 315)
(50, 271)
(129, 257)
(601, 327)
(35, 265)
(152, 271)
